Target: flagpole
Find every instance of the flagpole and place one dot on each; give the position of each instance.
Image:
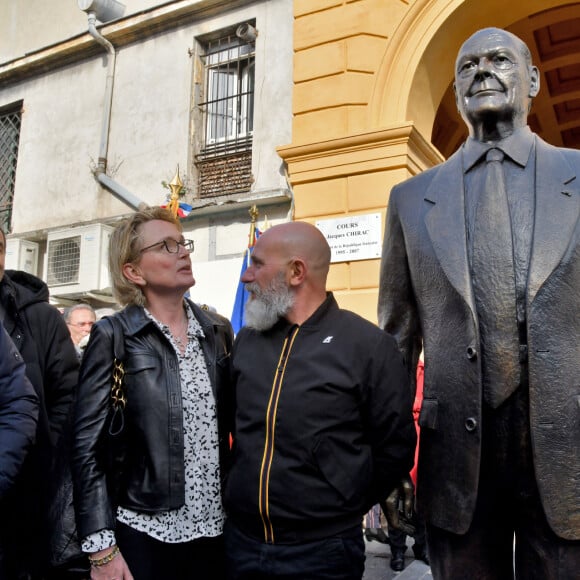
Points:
(237, 318)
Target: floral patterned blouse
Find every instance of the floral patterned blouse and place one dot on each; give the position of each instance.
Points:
(202, 515)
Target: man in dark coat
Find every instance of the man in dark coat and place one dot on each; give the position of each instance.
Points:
(42, 338)
(323, 422)
(500, 420)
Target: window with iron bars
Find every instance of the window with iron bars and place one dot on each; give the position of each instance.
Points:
(224, 163)
(10, 121)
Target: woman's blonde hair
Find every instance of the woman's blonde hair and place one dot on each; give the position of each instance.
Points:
(124, 247)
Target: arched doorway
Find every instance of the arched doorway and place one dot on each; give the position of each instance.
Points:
(401, 118)
(416, 77)
(553, 37)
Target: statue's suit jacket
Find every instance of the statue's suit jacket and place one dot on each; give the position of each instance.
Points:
(426, 300)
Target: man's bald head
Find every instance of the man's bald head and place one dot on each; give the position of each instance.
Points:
(287, 275)
(301, 240)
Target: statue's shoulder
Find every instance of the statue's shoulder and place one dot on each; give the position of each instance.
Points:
(572, 155)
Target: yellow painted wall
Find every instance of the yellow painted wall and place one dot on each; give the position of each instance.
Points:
(338, 164)
(368, 78)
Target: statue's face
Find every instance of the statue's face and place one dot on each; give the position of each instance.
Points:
(493, 79)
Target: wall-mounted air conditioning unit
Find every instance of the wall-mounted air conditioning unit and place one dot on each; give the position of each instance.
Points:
(21, 255)
(76, 260)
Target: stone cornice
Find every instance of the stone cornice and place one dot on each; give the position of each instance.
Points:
(121, 32)
(400, 146)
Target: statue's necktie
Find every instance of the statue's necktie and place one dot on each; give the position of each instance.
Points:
(494, 285)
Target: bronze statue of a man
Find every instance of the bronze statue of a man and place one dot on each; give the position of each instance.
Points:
(491, 293)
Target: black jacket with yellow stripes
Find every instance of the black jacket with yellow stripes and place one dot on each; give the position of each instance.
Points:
(324, 425)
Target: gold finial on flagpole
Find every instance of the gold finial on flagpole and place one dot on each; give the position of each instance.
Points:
(175, 185)
(254, 213)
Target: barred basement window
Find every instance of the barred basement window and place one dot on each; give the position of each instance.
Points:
(224, 162)
(10, 121)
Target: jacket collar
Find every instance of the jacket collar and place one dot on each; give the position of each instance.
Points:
(314, 319)
(321, 312)
(136, 319)
(557, 209)
(22, 289)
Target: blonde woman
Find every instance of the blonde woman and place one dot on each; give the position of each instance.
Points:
(166, 519)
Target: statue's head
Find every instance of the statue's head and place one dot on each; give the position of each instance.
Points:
(495, 80)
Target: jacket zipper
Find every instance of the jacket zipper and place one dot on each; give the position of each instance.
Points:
(268, 456)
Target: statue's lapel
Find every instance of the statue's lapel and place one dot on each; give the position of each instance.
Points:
(557, 212)
(445, 222)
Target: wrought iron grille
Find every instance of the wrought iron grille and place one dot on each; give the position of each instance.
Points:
(228, 97)
(224, 163)
(10, 121)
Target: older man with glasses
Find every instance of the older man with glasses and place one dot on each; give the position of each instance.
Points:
(80, 319)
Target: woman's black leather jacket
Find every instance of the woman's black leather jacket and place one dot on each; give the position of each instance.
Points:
(152, 478)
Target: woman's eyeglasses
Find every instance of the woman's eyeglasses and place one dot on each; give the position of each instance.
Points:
(171, 246)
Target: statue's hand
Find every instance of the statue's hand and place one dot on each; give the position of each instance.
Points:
(399, 507)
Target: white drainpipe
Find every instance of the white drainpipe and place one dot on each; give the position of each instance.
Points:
(102, 166)
(115, 188)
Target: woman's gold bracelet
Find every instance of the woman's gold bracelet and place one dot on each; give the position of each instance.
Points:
(105, 559)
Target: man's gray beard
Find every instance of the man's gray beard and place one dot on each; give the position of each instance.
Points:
(266, 306)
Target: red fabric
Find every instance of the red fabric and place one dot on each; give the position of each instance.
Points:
(416, 410)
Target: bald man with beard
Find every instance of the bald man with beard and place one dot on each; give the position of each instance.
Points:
(323, 426)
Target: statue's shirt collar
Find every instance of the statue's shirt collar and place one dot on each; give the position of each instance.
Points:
(518, 147)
